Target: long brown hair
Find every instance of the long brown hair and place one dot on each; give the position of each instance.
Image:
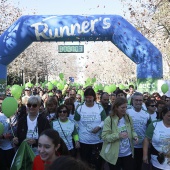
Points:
(118, 102)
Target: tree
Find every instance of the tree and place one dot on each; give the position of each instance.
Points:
(8, 14)
(152, 19)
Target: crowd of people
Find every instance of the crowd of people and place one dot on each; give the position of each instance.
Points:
(124, 130)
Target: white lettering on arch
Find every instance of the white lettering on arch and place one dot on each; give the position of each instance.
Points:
(42, 33)
(84, 27)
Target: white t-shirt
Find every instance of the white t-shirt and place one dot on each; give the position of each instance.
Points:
(153, 116)
(90, 117)
(140, 122)
(124, 146)
(32, 131)
(67, 133)
(161, 142)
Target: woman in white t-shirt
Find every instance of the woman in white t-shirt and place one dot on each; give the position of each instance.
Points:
(31, 125)
(90, 118)
(119, 136)
(66, 129)
(158, 134)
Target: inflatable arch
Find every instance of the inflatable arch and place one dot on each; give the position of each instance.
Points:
(114, 28)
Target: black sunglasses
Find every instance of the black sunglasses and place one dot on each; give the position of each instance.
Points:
(62, 111)
(33, 105)
(152, 105)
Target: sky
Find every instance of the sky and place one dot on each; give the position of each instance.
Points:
(70, 7)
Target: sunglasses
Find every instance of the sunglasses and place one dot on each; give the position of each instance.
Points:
(136, 100)
(152, 105)
(89, 97)
(33, 105)
(62, 111)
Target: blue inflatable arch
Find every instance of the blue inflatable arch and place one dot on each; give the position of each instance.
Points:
(114, 28)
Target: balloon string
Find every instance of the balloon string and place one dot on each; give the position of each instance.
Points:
(11, 128)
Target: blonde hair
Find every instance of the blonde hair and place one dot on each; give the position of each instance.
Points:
(118, 102)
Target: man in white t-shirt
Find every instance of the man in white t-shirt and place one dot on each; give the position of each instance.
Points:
(140, 121)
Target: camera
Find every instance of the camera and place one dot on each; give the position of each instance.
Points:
(161, 158)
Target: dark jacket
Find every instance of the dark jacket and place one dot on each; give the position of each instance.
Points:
(22, 128)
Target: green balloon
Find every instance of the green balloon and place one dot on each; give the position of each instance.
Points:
(28, 85)
(50, 86)
(9, 106)
(93, 80)
(96, 85)
(88, 81)
(54, 82)
(50, 94)
(60, 86)
(164, 88)
(113, 87)
(16, 89)
(107, 89)
(17, 96)
(80, 92)
(61, 75)
(1, 128)
(121, 87)
(96, 89)
(100, 87)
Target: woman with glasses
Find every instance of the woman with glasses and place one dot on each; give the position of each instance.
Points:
(151, 109)
(90, 118)
(119, 137)
(66, 129)
(31, 125)
(158, 134)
